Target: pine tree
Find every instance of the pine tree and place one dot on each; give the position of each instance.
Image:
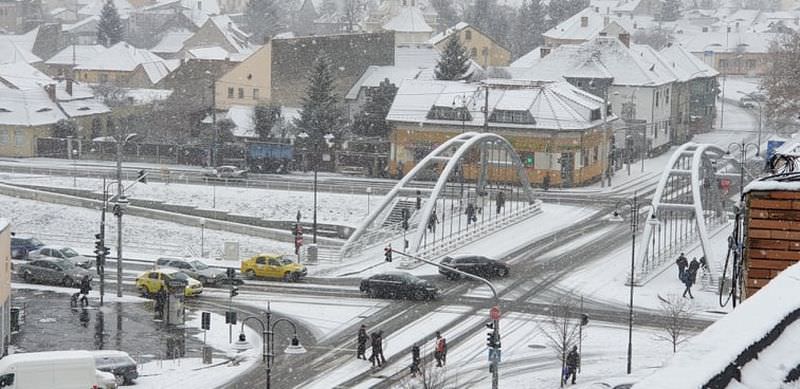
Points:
(372, 121)
(454, 62)
(109, 28)
(264, 18)
(448, 17)
(670, 10)
(265, 116)
(491, 19)
(320, 114)
(528, 28)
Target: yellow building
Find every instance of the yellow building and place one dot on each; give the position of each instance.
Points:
(557, 129)
(482, 48)
(5, 286)
(121, 65)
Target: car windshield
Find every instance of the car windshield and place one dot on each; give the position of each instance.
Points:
(199, 265)
(36, 242)
(285, 261)
(69, 253)
(64, 264)
(180, 276)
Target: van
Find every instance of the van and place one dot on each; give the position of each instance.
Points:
(52, 369)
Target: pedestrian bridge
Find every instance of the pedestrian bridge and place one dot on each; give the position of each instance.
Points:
(689, 206)
(468, 187)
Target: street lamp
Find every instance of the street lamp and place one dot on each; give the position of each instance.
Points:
(268, 340)
(742, 149)
(634, 222)
(757, 99)
(74, 168)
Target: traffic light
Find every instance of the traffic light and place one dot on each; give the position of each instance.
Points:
(387, 253)
(230, 317)
(100, 251)
(492, 338)
(234, 291)
(584, 319)
(205, 322)
(230, 272)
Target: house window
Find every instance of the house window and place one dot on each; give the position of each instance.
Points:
(448, 113)
(596, 114)
(241, 93)
(230, 93)
(514, 117)
(666, 96)
(103, 77)
(19, 137)
(596, 154)
(657, 97)
(3, 136)
(467, 35)
(255, 93)
(751, 64)
(473, 52)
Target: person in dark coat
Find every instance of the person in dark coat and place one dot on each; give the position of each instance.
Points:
(379, 356)
(415, 360)
(573, 361)
(85, 288)
(362, 343)
(418, 205)
(546, 182)
(682, 265)
(471, 213)
(432, 222)
(690, 276)
(440, 353)
(500, 201)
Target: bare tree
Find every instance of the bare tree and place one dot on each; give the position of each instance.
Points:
(676, 312)
(429, 377)
(561, 329)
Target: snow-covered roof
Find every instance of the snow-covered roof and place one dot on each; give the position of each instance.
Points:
(95, 8)
(374, 75)
(209, 7)
(242, 118)
(28, 107)
(686, 65)
(745, 41)
(83, 107)
(422, 56)
(198, 18)
(235, 36)
(88, 22)
(573, 29)
(147, 96)
(716, 348)
(172, 42)
(603, 54)
(408, 19)
(20, 75)
(120, 57)
(528, 60)
(446, 33)
(16, 49)
(79, 91)
(553, 105)
(658, 64)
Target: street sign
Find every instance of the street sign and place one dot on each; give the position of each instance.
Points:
(494, 355)
(494, 313)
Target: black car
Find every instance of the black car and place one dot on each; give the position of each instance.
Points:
(473, 264)
(118, 363)
(398, 285)
(22, 245)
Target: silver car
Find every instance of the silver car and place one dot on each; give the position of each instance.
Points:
(53, 271)
(62, 253)
(195, 269)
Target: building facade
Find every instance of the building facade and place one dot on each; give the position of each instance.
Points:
(484, 50)
(5, 286)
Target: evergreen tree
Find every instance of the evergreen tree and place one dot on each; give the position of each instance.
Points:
(320, 114)
(562, 10)
(109, 28)
(264, 18)
(265, 116)
(670, 10)
(448, 17)
(64, 128)
(491, 19)
(454, 62)
(372, 121)
(528, 28)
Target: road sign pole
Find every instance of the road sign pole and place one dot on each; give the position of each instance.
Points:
(495, 315)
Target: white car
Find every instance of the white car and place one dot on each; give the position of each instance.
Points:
(226, 172)
(62, 253)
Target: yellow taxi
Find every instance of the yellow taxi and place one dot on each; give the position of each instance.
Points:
(152, 281)
(273, 266)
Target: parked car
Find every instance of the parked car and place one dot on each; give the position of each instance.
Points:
(21, 245)
(118, 363)
(52, 369)
(152, 281)
(273, 266)
(398, 285)
(53, 271)
(226, 172)
(747, 102)
(195, 269)
(473, 264)
(62, 253)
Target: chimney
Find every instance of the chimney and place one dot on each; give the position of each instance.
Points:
(584, 21)
(543, 51)
(51, 91)
(625, 38)
(69, 86)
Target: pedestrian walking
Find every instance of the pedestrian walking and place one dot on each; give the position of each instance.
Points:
(381, 359)
(419, 200)
(546, 182)
(415, 360)
(440, 353)
(86, 286)
(689, 277)
(161, 302)
(373, 357)
(573, 362)
(362, 343)
(682, 265)
(432, 222)
(500, 201)
(471, 214)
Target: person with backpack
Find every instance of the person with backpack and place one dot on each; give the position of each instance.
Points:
(573, 361)
(440, 353)
(362, 343)
(415, 360)
(682, 265)
(85, 286)
(690, 276)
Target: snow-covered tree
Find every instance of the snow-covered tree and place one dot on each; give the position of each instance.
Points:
(372, 120)
(454, 62)
(781, 80)
(64, 128)
(528, 28)
(670, 10)
(562, 10)
(657, 38)
(109, 28)
(265, 116)
(320, 114)
(264, 18)
(448, 16)
(676, 312)
(561, 329)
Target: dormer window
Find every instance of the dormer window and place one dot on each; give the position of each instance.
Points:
(84, 109)
(449, 113)
(595, 115)
(514, 117)
(43, 109)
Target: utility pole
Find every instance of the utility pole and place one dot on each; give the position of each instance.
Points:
(119, 215)
(213, 123)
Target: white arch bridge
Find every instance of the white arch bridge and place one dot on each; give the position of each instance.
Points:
(690, 208)
(470, 186)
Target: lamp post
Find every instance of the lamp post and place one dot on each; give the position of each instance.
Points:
(202, 237)
(268, 340)
(369, 191)
(634, 224)
(74, 168)
(757, 99)
(742, 149)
